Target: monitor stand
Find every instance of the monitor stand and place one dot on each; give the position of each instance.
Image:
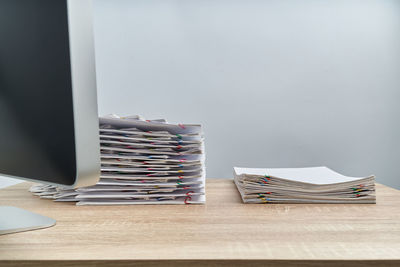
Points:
(13, 220)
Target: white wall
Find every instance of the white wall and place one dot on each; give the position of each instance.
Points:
(275, 83)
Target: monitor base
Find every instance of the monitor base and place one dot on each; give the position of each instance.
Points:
(13, 220)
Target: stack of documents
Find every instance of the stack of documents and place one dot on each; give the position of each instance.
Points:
(142, 162)
(302, 185)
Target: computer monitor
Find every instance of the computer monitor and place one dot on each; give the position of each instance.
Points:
(48, 104)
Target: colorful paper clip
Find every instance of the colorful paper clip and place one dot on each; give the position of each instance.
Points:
(179, 182)
(188, 197)
(186, 200)
(263, 198)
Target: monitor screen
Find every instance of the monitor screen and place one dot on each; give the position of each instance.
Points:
(36, 104)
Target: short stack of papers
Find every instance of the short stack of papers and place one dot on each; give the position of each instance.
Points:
(302, 185)
(142, 162)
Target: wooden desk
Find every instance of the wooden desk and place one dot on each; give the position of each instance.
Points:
(213, 234)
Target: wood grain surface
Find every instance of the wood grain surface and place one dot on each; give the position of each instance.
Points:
(221, 233)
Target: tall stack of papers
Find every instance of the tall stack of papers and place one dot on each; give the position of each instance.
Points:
(142, 162)
(302, 185)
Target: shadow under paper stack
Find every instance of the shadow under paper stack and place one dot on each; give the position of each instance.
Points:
(142, 162)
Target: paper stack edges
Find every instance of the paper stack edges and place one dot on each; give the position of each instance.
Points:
(142, 162)
(302, 185)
